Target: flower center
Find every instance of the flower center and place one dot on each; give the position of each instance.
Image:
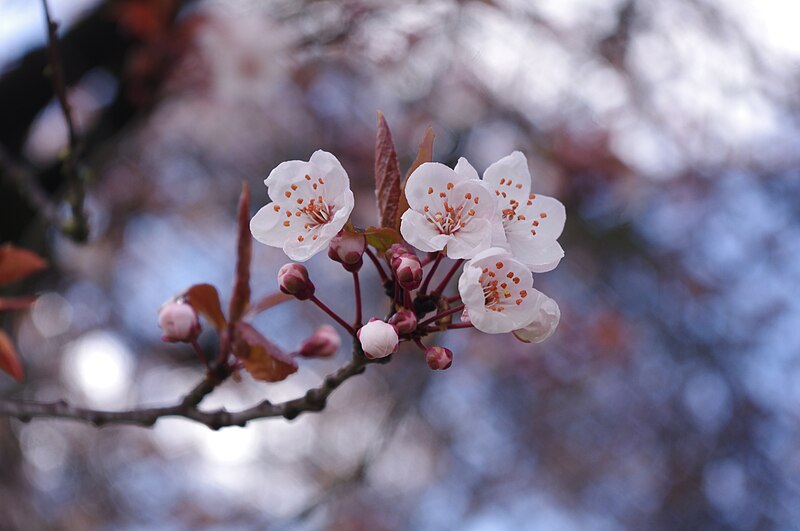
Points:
(499, 288)
(318, 211)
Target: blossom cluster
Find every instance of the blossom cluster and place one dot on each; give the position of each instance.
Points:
(494, 227)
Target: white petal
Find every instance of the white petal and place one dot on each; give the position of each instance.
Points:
(544, 215)
(481, 201)
(510, 176)
(475, 237)
(421, 233)
(546, 316)
(539, 257)
(266, 226)
(427, 182)
(336, 179)
(465, 169)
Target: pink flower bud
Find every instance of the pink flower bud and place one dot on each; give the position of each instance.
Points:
(378, 339)
(439, 358)
(408, 270)
(404, 321)
(399, 249)
(347, 249)
(323, 343)
(179, 322)
(293, 280)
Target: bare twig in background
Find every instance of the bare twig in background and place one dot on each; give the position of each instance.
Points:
(77, 227)
(314, 400)
(24, 180)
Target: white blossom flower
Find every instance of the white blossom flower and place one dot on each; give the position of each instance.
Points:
(497, 291)
(449, 209)
(548, 314)
(311, 202)
(528, 224)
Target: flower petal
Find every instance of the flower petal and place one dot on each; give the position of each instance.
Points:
(475, 237)
(336, 179)
(509, 178)
(540, 258)
(465, 169)
(428, 182)
(420, 233)
(266, 226)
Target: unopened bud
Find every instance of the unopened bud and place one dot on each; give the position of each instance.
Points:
(179, 322)
(398, 249)
(325, 342)
(347, 248)
(408, 271)
(439, 358)
(404, 321)
(378, 339)
(293, 280)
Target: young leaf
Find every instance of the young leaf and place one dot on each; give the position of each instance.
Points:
(424, 154)
(9, 361)
(241, 287)
(381, 238)
(267, 302)
(205, 299)
(387, 174)
(16, 263)
(263, 359)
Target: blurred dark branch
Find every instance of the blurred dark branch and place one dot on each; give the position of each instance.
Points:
(76, 228)
(23, 180)
(314, 400)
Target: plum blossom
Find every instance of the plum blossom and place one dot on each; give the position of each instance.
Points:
(311, 202)
(547, 313)
(497, 291)
(449, 209)
(528, 224)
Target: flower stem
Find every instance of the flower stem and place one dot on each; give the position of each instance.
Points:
(333, 315)
(454, 298)
(420, 344)
(439, 315)
(357, 286)
(378, 266)
(199, 352)
(424, 287)
(443, 284)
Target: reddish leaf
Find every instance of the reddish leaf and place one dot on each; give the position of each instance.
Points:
(263, 359)
(16, 263)
(387, 175)
(381, 238)
(424, 154)
(9, 361)
(16, 303)
(244, 254)
(205, 300)
(268, 301)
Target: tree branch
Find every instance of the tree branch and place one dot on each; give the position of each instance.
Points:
(313, 401)
(78, 227)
